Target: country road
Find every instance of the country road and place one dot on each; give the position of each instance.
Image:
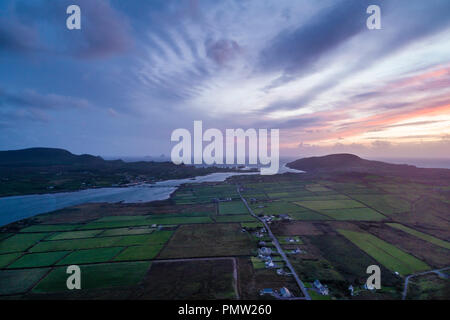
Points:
(280, 250)
(405, 289)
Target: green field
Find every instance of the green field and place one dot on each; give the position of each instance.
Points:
(159, 237)
(139, 253)
(321, 197)
(179, 220)
(43, 259)
(330, 204)
(235, 218)
(252, 225)
(4, 235)
(257, 263)
(115, 224)
(386, 204)
(232, 207)
(348, 259)
(122, 218)
(20, 242)
(126, 231)
(421, 235)
(75, 244)
(385, 253)
(90, 256)
(167, 220)
(20, 281)
(317, 188)
(50, 227)
(74, 235)
(6, 259)
(364, 214)
(277, 207)
(307, 215)
(317, 296)
(96, 276)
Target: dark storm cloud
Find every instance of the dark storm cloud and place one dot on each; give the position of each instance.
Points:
(104, 31)
(294, 51)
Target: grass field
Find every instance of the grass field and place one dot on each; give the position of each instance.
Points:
(386, 204)
(363, 214)
(317, 296)
(316, 188)
(90, 256)
(75, 244)
(235, 218)
(20, 242)
(139, 253)
(348, 259)
(387, 254)
(115, 224)
(50, 227)
(4, 235)
(126, 231)
(232, 207)
(252, 225)
(421, 235)
(20, 281)
(277, 207)
(257, 263)
(96, 276)
(44, 259)
(330, 204)
(159, 237)
(307, 215)
(74, 235)
(6, 259)
(122, 218)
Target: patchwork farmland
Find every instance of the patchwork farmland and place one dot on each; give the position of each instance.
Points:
(204, 243)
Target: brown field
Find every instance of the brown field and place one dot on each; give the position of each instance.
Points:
(300, 228)
(208, 240)
(192, 280)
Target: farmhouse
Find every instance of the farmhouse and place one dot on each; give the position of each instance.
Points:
(265, 251)
(285, 293)
(323, 290)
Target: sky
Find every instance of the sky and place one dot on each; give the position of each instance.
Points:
(137, 70)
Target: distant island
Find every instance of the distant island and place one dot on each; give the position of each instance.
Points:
(47, 170)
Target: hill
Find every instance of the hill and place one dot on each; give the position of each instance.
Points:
(43, 170)
(351, 163)
(45, 157)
